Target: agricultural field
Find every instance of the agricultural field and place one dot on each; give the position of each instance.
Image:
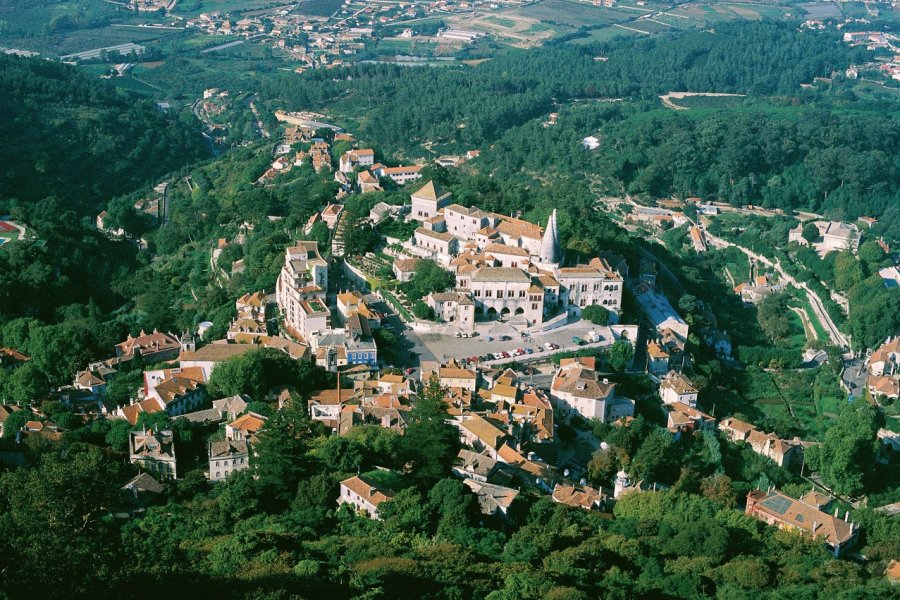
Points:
(70, 42)
(799, 402)
(573, 14)
(192, 8)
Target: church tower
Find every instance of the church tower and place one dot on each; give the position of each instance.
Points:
(550, 253)
(621, 483)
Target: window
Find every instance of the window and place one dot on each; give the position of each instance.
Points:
(478, 293)
(583, 287)
(488, 293)
(510, 293)
(534, 306)
(596, 287)
(521, 293)
(218, 463)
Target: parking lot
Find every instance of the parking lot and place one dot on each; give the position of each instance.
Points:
(493, 338)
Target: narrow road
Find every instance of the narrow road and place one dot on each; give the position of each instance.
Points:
(259, 123)
(837, 338)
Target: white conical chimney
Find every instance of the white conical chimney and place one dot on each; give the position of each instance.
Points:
(550, 241)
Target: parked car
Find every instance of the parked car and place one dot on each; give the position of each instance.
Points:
(409, 371)
(554, 346)
(506, 355)
(490, 339)
(505, 338)
(548, 346)
(529, 351)
(458, 334)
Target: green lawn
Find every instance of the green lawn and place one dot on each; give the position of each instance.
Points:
(388, 479)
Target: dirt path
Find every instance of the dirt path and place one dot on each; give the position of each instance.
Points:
(667, 99)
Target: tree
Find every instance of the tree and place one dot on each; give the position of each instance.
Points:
(281, 454)
(596, 314)
(423, 311)
(847, 271)
(15, 422)
(259, 370)
(429, 277)
(810, 232)
(430, 444)
(26, 384)
(620, 355)
(653, 460)
(718, 488)
(871, 254)
(54, 522)
(846, 459)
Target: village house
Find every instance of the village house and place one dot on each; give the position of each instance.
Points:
(660, 314)
(589, 285)
(454, 308)
(245, 427)
(404, 268)
(11, 359)
(885, 360)
(369, 183)
(780, 510)
(153, 452)
(352, 345)
(475, 466)
(451, 376)
(585, 498)
(152, 348)
(684, 418)
(481, 434)
(437, 244)
(178, 395)
(493, 500)
(222, 409)
(758, 289)
(833, 237)
(91, 382)
(784, 453)
(657, 359)
(399, 175)
(352, 159)
(326, 405)
(227, 457)
(676, 387)
(364, 494)
(577, 388)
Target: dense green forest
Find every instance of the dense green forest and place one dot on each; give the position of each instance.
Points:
(843, 164)
(473, 106)
(71, 136)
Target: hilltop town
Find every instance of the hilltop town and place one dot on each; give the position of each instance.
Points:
(555, 299)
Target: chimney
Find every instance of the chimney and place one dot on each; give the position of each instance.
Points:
(815, 526)
(836, 509)
(846, 516)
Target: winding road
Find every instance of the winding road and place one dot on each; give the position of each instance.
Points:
(837, 338)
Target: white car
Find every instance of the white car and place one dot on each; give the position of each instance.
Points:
(548, 346)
